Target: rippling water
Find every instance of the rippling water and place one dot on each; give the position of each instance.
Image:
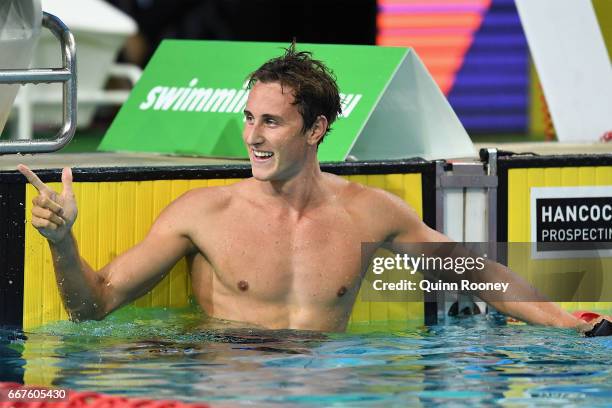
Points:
(166, 355)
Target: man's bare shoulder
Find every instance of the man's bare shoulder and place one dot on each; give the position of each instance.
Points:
(200, 202)
(377, 207)
(215, 199)
(364, 197)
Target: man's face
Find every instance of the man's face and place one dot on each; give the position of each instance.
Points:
(273, 132)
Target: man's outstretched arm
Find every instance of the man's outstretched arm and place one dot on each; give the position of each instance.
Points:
(90, 294)
(526, 305)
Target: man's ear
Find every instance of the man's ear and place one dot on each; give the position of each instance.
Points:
(317, 131)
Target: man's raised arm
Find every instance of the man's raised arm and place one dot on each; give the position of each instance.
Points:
(90, 294)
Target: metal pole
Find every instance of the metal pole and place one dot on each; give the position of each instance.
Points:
(66, 75)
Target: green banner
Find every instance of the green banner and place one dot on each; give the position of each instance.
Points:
(190, 98)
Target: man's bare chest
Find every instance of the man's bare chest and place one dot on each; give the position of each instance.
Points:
(313, 260)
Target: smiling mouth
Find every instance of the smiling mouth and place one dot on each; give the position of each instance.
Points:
(261, 155)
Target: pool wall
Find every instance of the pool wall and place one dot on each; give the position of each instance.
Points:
(117, 207)
(517, 176)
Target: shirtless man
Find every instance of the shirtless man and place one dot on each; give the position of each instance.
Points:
(281, 249)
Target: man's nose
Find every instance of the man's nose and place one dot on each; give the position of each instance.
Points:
(252, 135)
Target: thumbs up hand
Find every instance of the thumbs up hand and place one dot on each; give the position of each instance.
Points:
(53, 214)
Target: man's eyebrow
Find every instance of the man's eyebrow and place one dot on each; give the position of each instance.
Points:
(264, 116)
(271, 116)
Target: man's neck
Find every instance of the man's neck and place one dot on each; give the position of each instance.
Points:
(301, 192)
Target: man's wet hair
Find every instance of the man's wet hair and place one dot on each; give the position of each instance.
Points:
(314, 85)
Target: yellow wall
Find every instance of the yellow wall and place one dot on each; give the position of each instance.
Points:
(603, 11)
(113, 216)
(544, 272)
(537, 120)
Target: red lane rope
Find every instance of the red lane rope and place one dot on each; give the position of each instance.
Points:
(14, 395)
(585, 315)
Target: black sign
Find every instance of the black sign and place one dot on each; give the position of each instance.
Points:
(576, 223)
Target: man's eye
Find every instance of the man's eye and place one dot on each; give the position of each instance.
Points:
(248, 118)
(271, 122)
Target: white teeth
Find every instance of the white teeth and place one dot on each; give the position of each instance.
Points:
(262, 154)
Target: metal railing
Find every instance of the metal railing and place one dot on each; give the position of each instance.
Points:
(65, 75)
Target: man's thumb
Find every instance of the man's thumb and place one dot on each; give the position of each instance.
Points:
(67, 179)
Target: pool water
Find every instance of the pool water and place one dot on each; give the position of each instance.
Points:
(166, 354)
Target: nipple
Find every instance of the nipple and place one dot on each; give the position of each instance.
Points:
(341, 291)
(243, 285)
